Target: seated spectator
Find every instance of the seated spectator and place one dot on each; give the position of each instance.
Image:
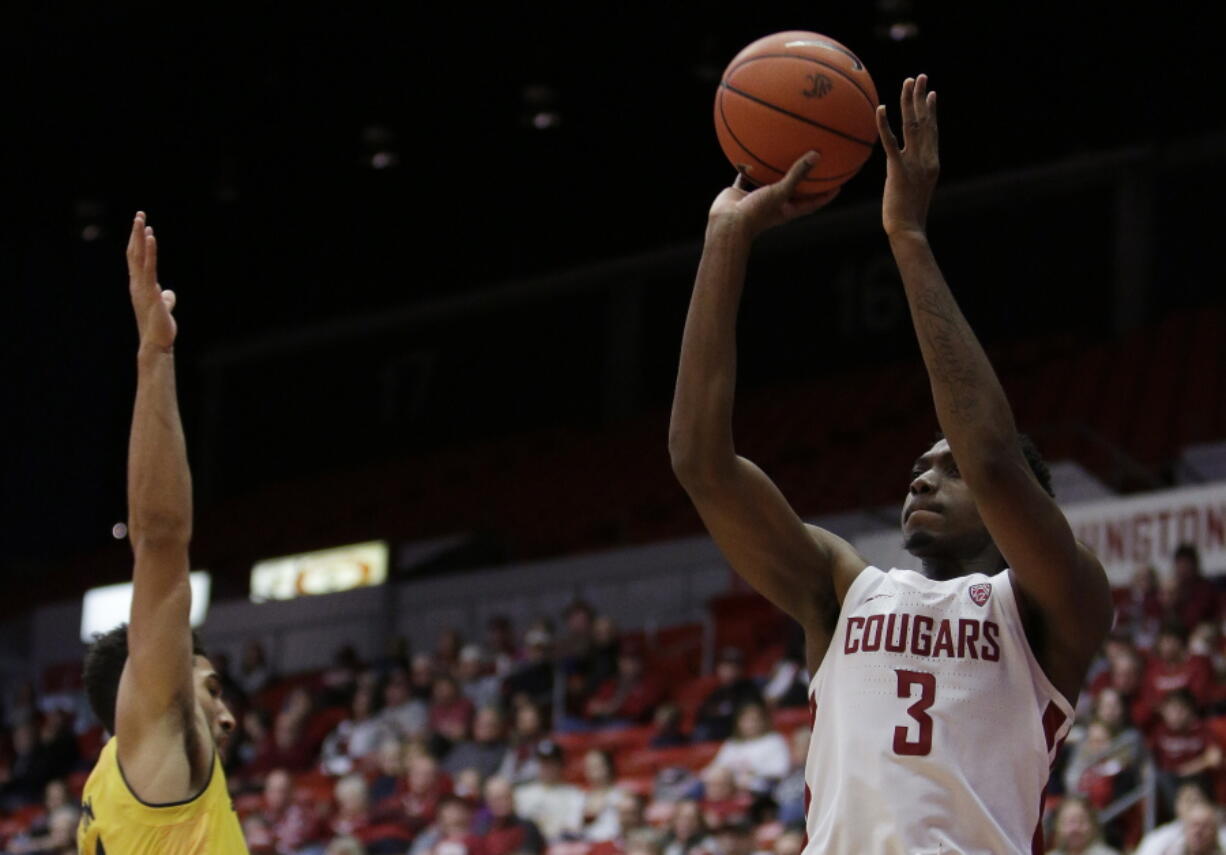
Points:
(416, 804)
(355, 738)
(500, 641)
(791, 842)
(687, 833)
(345, 845)
(643, 841)
(668, 723)
(789, 793)
(286, 826)
(467, 785)
(1076, 830)
(352, 815)
(629, 697)
(1126, 676)
(486, 751)
(717, 715)
(555, 806)
(451, 833)
(252, 739)
(1168, 839)
(1138, 610)
(481, 687)
(1183, 750)
(734, 838)
(60, 839)
(55, 795)
(787, 685)
(756, 755)
(451, 713)
(501, 828)
(722, 802)
(600, 797)
(1173, 667)
(1202, 831)
(631, 820)
(1100, 768)
(447, 651)
(533, 677)
(288, 748)
(406, 716)
(389, 776)
(41, 752)
(422, 672)
(606, 650)
(340, 680)
(1196, 599)
(253, 671)
(520, 763)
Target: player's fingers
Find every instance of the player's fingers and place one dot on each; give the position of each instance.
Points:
(135, 238)
(151, 256)
(888, 141)
(787, 186)
(907, 104)
(920, 97)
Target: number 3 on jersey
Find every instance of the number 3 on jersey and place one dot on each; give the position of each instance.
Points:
(927, 683)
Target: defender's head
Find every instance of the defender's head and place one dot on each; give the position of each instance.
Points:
(104, 664)
(939, 517)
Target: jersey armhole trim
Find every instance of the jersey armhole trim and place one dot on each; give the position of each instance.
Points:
(155, 805)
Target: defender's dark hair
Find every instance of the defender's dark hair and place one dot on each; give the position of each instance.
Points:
(104, 663)
(1034, 459)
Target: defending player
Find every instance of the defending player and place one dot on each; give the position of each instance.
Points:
(939, 696)
(158, 786)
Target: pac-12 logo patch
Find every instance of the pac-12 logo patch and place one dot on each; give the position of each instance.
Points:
(980, 592)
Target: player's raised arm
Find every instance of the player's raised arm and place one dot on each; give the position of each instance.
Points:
(801, 569)
(156, 700)
(1064, 583)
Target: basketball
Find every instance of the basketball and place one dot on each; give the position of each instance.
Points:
(792, 92)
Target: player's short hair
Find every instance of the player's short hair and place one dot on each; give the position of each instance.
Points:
(104, 663)
(1034, 459)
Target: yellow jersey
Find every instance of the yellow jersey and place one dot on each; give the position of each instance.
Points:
(115, 822)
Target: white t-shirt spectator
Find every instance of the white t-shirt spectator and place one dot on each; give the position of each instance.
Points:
(556, 809)
(757, 763)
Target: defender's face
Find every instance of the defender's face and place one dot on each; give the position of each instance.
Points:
(208, 696)
(939, 517)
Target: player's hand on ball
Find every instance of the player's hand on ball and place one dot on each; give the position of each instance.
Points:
(911, 171)
(152, 305)
(756, 210)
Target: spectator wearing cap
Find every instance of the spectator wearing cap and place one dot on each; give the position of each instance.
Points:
(630, 697)
(755, 754)
(487, 749)
(451, 833)
(502, 829)
(533, 677)
(555, 806)
(520, 764)
(478, 685)
(717, 714)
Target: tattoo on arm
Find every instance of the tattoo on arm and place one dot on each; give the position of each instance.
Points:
(951, 347)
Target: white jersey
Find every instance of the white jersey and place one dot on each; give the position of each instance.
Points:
(935, 728)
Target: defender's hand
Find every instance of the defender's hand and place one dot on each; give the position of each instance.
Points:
(911, 172)
(152, 305)
(756, 210)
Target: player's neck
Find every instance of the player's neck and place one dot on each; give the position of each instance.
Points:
(989, 562)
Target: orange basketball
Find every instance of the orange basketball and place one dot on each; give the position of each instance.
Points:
(789, 93)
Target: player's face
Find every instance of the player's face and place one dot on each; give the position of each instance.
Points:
(208, 695)
(939, 517)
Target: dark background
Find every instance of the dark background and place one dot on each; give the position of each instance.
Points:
(251, 138)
